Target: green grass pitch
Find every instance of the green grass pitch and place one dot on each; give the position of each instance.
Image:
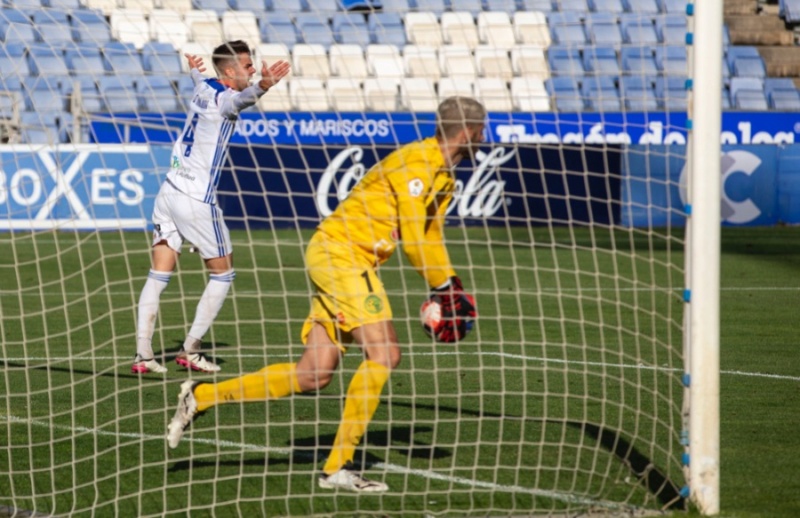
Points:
(565, 398)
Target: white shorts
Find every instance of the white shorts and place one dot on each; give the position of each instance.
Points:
(178, 218)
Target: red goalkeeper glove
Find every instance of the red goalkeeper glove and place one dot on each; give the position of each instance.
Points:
(458, 311)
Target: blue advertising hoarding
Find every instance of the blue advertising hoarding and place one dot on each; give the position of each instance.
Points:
(760, 185)
(331, 128)
(83, 187)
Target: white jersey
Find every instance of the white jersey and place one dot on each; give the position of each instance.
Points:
(200, 151)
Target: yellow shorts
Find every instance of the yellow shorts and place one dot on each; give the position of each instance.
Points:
(349, 293)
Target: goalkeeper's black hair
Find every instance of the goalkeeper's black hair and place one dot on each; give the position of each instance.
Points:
(457, 113)
(228, 51)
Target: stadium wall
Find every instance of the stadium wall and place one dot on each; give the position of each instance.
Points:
(286, 169)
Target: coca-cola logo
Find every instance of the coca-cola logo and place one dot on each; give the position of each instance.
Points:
(480, 196)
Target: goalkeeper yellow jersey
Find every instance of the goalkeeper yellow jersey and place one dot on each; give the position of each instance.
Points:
(403, 199)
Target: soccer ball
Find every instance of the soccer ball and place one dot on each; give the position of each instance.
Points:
(432, 320)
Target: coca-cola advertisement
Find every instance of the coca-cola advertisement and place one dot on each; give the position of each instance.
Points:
(511, 184)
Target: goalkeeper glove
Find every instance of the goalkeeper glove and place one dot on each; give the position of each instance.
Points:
(458, 311)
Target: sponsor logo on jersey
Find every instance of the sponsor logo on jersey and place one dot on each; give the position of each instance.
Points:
(373, 304)
(415, 187)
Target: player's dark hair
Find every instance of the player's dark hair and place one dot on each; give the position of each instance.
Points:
(227, 52)
(457, 113)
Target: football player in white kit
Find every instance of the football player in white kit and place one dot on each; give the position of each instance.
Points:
(186, 206)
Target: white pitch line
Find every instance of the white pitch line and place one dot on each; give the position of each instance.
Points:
(393, 468)
(521, 357)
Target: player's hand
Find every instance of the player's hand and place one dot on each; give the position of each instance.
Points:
(458, 311)
(270, 76)
(195, 62)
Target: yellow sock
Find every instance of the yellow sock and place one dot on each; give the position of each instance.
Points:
(363, 396)
(272, 382)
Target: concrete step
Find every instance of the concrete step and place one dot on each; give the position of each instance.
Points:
(758, 30)
(781, 61)
(735, 7)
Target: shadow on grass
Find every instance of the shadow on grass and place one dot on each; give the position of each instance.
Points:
(123, 369)
(654, 480)
(314, 450)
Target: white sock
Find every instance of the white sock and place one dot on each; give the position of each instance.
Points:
(208, 307)
(148, 311)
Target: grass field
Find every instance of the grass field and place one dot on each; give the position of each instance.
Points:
(566, 397)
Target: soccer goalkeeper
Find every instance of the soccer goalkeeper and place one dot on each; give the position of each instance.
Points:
(404, 199)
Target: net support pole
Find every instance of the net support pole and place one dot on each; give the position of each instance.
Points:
(704, 255)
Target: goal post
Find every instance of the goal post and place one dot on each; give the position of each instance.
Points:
(703, 245)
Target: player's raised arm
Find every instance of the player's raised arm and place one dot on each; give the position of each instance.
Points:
(196, 67)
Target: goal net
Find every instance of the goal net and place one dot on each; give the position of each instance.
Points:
(568, 229)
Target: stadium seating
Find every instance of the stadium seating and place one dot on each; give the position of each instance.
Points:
(638, 93)
(351, 28)
(421, 62)
(345, 94)
(566, 93)
(600, 93)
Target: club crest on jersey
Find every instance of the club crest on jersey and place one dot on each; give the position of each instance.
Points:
(415, 187)
(373, 304)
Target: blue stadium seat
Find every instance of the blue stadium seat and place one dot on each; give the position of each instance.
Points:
(786, 100)
(89, 95)
(672, 6)
(46, 16)
(277, 27)
(218, 6)
(11, 15)
(671, 93)
(161, 59)
(313, 30)
(119, 93)
(774, 84)
(122, 58)
(750, 100)
(671, 29)
(13, 62)
(396, 6)
(90, 25)
(726, 99)
(45, 60)
(43, 94)
(637, 93)
(601, 61)
(433, 6)
(565, 61)
(566, 92)
(566, 28)
(285, 6)
(745, 62)
(85, 59)
(256, 6)
(351, 28)
(157, 95)
(672, 60)
(40, 127)
(606, 6)
(600, 93)
(637, 30)
(603, 29)
(641, 6)
(387, 28)
(28, 5)
(638, 60)
(324, 8)
(67, 5)
(185, 87)
(18, 33)
(580, 6)
(471, 6)
(56, 35)
(544, 6)
(508, 6)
